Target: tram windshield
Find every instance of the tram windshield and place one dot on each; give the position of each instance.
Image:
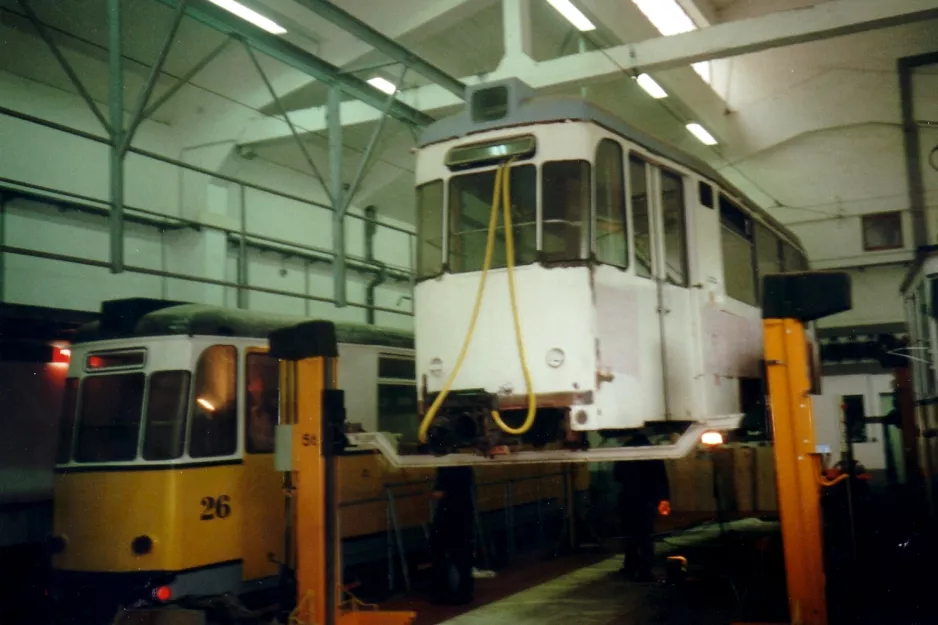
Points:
(565, 203)
(470, 205)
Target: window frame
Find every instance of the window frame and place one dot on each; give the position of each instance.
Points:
(586, 216)
(747, 233)
(594, 212)
(881, 217)
(394, 381)
(74, 383)
(88, 369)
(443, 232)
(79, 420)
(145, 422)
(638, 158)
(682, 186)
(244, 401)
(193, 399)
(500, 227)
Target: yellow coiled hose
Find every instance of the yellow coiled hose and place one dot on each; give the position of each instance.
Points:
(501, 192)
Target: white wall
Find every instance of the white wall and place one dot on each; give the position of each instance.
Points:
(33, 154)
(876, 298)
(827, 415)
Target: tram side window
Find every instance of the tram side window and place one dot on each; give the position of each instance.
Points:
(641, 219)
(565, 208)
(67, 421)
(214, 429)
(165, 430)
(397, 396)
(470, 205)
(675, 227)
(109, 418)
(430, 229)
(739, 270)
(768, 252)
(612, 236)
(261, 408)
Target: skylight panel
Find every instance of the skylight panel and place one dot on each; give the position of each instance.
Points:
(666, 15)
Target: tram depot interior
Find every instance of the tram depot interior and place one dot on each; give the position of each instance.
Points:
(179, 178)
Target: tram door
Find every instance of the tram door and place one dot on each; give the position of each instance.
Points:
(672, 277)
(641, 177)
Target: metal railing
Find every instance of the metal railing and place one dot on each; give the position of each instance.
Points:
(377, 271)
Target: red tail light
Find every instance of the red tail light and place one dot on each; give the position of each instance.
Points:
(163, 593)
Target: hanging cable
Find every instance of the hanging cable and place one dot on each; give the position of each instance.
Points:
(501, 193)
(510, 266)
(489, 245)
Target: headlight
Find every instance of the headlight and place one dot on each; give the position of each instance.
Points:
(436, 366)
(555, 357)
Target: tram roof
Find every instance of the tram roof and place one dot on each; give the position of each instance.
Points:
(198, 319)
(525, 106)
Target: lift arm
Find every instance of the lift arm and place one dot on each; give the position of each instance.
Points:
(790, 301)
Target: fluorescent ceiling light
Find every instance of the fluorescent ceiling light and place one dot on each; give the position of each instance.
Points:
(666, 15)
(250, 15)
(652, 88)
(384, 85)
(698, 131)
(573, 14)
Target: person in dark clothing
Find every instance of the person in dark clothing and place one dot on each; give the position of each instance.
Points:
(451, 537)
(644, 493)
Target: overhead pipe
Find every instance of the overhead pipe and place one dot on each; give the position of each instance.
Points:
(913, 165)
(371, 228)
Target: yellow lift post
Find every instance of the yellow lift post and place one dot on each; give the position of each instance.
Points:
(313, 413)
(791, 301)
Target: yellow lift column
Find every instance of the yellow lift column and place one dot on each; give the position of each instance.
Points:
(789, 302)
(313, 409)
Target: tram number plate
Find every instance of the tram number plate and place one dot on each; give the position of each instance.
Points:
(216, 507)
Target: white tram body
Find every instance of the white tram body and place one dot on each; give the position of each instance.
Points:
(636, 270)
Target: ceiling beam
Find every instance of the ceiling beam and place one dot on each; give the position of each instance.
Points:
(388, 47)
(297, 58)
(829, 19)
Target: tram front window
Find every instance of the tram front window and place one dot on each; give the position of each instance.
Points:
(470, 205)
(67, 421)
(214, 429)
(566, 204)
(430, 229)
(109, 418)
(165, 427)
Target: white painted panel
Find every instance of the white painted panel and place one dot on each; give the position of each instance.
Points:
(555, 310)
(629, 340)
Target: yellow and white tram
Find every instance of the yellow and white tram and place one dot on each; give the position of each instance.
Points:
(623, 292)
(165, 486)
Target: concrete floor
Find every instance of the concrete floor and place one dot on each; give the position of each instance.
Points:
(596, 595)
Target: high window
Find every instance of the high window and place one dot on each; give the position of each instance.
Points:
(641, 216)
(214, 428)
(675, 227)
(611, 231)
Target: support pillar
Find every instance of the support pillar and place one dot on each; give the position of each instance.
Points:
(338, 194)
(516, 28)
(790, 301)
(116, 114)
